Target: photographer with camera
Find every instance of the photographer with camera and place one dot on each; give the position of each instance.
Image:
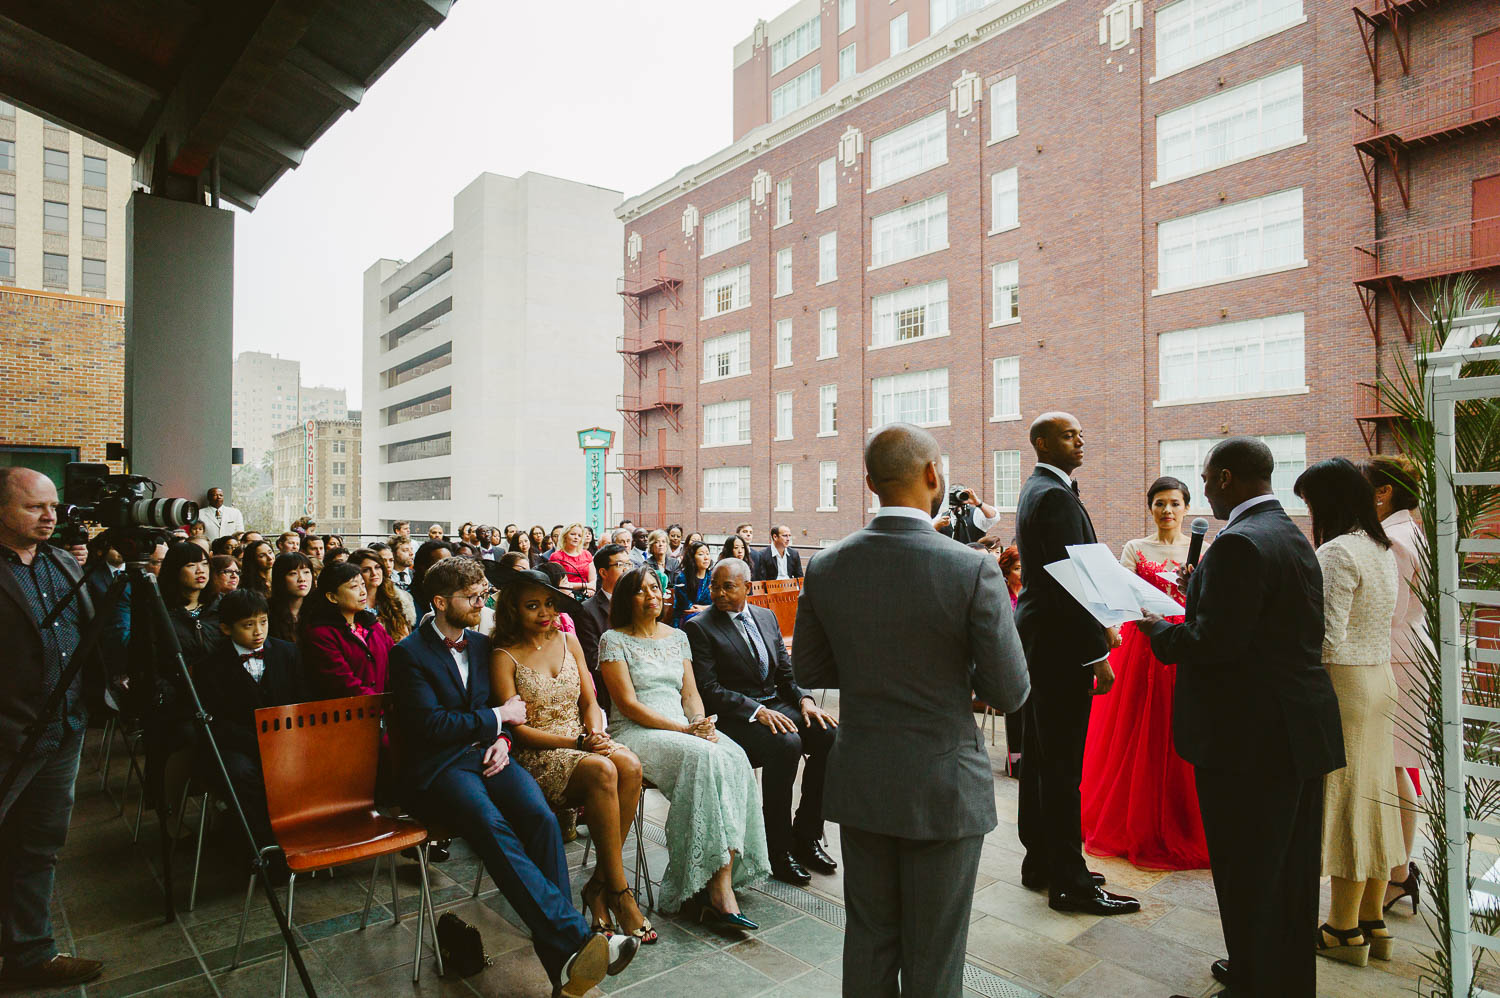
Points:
(34, 816)
(967, 517)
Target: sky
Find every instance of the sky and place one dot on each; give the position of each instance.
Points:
(617, 93)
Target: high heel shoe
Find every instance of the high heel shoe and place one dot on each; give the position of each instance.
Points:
(646, 934)
(1344, 951)
(1411, 887)
(591, 892)
(1380, 946)
(716, 919)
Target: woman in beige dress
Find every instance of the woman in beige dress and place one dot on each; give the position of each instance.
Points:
(563, 742)
(1361, 820)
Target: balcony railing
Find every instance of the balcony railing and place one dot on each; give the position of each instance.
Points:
(650, 460)
(1455, 103)
(663, 337)
(650, 276)
(1448, 249)
(650, 397)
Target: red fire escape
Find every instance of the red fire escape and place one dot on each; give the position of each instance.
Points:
(645, 279)
(657, 335)
(663, 335)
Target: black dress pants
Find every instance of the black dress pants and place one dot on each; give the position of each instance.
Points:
(777, 754)
(1264, 832)
(1050, 821)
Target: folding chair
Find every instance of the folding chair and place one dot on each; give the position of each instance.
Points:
(319, 761)
(642, 866)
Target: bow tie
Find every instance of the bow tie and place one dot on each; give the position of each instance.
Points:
(458, 645)
(250, 655)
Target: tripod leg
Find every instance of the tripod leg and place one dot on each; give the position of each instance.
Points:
(286, 956)
(239, 943)
(198, 854)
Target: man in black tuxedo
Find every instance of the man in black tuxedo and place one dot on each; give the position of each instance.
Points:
(1256, 715)
(611, 562)
(744, 674)
(778, 561)
(1067, 654)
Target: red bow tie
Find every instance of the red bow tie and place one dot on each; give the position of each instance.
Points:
(249, 655)
(458, 645)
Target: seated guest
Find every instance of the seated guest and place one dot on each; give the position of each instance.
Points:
(224, 544)
(626, 539)
(402, 556)
(429, 554)
(610, 563)
(249, 670)
(744, 675)
(676, 543)
(563, 742)
(256, 562)
(554, 539)
(170, 732)
(336, 556)
(521, 545)
(515, 561)
(557, 576)
(291, 581)
(734, 547)
(780, 560)
(638, 537)
(314, 547)
(435, 532)
(692, 584)
(454, 770)
(390, 604)
(223, 574)
(575, 560)
(538, 537)
(693, 536)
(716, 837)
(657, 557)
(343, 645)
(190, 602)
(288, 542)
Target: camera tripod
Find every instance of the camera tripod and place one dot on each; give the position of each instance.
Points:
(145, 596)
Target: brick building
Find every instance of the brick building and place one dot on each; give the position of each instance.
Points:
(324, 484)
(964, 214)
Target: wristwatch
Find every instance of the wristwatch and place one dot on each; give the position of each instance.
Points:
(582, 737)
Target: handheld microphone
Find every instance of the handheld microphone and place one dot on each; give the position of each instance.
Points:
(1195, 546)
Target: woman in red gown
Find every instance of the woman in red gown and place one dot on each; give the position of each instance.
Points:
(1139, 798)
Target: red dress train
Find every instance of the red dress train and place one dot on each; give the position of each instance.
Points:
(1139, 798)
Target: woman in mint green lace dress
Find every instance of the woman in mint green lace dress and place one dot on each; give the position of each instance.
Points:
(716, 836)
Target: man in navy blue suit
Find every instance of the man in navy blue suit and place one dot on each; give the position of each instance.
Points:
(454, 760)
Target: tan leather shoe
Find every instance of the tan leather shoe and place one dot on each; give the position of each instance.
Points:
(57, 972)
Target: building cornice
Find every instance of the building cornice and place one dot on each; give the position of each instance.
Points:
(845, 96)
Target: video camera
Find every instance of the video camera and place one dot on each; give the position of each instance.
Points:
(960, 515)
(119, 501)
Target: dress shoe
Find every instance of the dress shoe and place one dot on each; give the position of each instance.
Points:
(813, 857)
(787, 870)
(1040, 883)
(722, 920)
(586, 968)
(1220, 970)
(1096, 902)
(622, 949)
(57, 972)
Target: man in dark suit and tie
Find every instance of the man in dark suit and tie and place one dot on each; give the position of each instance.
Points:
(1256, 715)
(1067, 653)
(779, 560)
(454, 770)
(611, 562)
(744, 674)
(908, 626)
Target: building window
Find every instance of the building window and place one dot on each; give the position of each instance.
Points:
(419, 490)
(338, 512)
(945, 12)
(909, 231)
(1192, 31)
(54, 164)
(729, 226)
(7, 209)
(783, 202)
(828, 485)
(919, 397)
(93, 275)
(95, 223)
(95, 172)
(55, 270)
(726, 490)
(438, 445)
(909, 150)
(783, 272)
(783, 488)
(7, 263)
(828, 410)
(847, 64)
(55, 216)
(899, 42)
(338, 467)
(427, 405)
(1007, 371)
(1005, 212)
(797, 94)
(337, 489)
(726, 356)
(1007, 478)
(792, 46)
(828, 183)
(726, 423)
(424, 363)
(1233, 358)
(7, 155)
(1183, 459)
(1003, 109)
(1231, 126)
(726, 291)
(828, 332)
(1237, 240)
(783, 415)
(910, 314)
(828, 257)
(783, 342)
(1006, 282)
(847, 14)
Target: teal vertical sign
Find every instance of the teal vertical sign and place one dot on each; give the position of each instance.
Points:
(595, 442)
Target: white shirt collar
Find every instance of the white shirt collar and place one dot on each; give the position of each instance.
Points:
(240, 649)
(1067, 478)
(1248, 504)
(910, 512)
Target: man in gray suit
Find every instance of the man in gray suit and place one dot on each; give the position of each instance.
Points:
(908, 625)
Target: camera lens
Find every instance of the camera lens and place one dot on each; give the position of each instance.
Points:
(163, 513)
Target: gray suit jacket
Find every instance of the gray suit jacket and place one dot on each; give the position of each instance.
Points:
(908, 625)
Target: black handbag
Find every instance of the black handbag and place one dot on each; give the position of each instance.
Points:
(461, 945)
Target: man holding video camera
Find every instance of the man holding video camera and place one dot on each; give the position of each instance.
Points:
(967, 517)
(34, 816)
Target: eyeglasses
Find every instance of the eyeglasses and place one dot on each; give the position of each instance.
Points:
(474, 599)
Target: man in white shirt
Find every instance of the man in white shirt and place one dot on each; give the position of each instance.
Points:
(218, 519)
(975, 518)
(779, 560)
(402, 556)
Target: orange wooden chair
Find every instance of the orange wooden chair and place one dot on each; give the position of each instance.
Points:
(319, 761)
(757, 589)
(782, 585)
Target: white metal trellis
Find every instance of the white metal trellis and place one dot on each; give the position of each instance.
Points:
(1446, 386)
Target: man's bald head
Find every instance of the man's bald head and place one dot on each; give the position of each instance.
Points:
(28, 508)
(901, 462)
(1057, 439)
(19, 480)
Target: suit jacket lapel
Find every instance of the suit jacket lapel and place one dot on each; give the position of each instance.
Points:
(436, 647)
(730, 631)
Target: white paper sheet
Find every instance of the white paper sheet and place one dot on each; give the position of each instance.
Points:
(1106, 589)
(1067, 576)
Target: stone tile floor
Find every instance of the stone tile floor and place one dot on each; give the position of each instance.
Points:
(108, 906)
